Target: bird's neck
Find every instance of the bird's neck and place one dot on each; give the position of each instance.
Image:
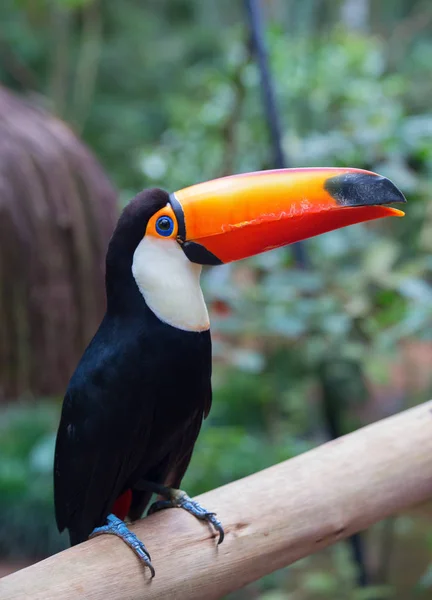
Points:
(170, 284)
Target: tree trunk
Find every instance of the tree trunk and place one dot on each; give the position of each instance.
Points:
(57, 212)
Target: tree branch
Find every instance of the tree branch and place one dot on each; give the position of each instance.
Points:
(272, 519)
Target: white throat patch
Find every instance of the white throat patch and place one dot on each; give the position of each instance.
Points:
(169, 283)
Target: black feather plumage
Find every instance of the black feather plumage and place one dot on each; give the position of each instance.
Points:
(135, 404)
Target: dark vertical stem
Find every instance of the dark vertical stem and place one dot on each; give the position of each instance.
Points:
(267, 88)
(273, 120)
(269, 103)
(335, 389)
(386, 544)
(87, 63)
(61, 29)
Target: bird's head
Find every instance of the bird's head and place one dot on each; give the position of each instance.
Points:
(169, 236)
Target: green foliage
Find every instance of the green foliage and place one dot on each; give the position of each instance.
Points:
(25, 449)
(27, 525)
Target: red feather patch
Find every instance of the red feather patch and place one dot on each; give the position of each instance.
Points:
(122, 505)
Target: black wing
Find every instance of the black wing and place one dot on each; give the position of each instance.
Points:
(130, 411)
(95, 450)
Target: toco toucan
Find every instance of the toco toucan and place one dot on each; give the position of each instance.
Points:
(135, 404)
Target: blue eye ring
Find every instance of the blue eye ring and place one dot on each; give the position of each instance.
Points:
(165, 226)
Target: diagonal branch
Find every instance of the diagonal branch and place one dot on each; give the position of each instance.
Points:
(272, 519)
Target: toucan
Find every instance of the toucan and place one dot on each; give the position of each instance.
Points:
(134, 406)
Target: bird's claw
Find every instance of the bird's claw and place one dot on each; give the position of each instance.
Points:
(180, 499)
(116, 526)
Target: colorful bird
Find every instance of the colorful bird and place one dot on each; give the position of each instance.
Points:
(135, 404)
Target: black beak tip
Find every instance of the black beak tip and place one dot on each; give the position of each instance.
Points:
(363, 189)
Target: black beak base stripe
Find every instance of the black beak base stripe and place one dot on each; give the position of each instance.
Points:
(195, 252)
(178, 211)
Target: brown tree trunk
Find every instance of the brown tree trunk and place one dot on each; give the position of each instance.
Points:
(57, 212)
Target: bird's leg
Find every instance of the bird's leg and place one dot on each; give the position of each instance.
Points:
(179, 499)
(116, 526)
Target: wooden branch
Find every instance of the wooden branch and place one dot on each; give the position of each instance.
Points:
(271, 519)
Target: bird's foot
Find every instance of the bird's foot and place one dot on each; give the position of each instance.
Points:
(179, 499)
(117, 527)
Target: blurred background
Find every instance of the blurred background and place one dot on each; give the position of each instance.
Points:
(100, 99)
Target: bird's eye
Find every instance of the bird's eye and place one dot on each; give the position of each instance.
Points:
(165, 226)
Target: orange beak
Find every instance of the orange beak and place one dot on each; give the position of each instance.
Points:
(234, 217)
